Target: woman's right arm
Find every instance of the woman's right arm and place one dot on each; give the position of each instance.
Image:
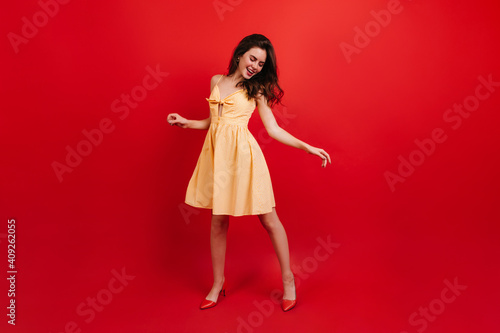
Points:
(176, 119)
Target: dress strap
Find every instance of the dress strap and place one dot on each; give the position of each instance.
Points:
(219, 79)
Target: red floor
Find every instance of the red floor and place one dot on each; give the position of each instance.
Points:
(131, 272)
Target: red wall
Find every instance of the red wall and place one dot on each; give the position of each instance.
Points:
(396, 92)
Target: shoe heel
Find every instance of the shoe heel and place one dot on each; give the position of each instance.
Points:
(223, 290)
(205, 304)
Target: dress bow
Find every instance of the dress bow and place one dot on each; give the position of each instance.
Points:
(219, 102)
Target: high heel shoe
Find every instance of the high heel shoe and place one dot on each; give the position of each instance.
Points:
(288, 304)
(205, 304)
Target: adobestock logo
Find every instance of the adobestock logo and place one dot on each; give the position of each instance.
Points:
(373, 28)
(92, 305)
(94, 137)
(223, 6)
(427, 314)
(265, 308)
(40, 19)
(453, 116)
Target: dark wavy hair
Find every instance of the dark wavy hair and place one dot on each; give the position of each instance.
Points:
(266, 81)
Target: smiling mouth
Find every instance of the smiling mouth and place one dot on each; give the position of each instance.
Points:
(250, 72)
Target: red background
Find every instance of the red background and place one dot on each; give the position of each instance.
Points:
(122, 205)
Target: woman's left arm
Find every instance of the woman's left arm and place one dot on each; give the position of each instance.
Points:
(279, 134)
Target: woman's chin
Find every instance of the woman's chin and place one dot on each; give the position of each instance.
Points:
(246, 75)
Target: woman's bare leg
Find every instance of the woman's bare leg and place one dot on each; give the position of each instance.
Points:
(276, 231)
(218, 236)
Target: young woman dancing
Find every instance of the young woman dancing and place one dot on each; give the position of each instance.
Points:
(231, 176)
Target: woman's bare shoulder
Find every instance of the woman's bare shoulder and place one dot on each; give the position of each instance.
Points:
(214, 80)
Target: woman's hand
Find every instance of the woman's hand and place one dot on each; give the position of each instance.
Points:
(176, 119)
(319, 152)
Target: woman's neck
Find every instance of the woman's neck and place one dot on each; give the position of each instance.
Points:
(235, 78)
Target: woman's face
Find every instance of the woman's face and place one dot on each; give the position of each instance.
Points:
(252, 62)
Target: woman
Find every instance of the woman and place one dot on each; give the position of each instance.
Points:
(231, 176)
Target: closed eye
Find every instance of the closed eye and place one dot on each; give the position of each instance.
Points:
(261, 63)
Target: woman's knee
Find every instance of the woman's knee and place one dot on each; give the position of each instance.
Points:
(220, 222)
(270, 223)
(269, 220)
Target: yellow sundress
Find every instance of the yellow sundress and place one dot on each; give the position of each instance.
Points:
(231, 176)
